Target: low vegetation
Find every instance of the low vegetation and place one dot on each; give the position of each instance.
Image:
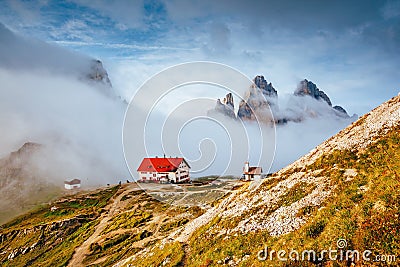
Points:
(48, 235)
(363, 209)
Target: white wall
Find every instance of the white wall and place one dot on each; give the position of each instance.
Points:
(146, 176)
(183, 170)
(72, 186)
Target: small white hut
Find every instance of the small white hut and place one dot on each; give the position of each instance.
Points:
(72, 184)
(251, 172)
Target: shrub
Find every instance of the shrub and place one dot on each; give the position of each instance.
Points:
(315, 229)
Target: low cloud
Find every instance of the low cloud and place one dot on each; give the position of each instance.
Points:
(79, 127)
(311, 122)
(25, 54)
(47, 98)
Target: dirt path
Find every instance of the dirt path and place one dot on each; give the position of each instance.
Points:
(82, 250)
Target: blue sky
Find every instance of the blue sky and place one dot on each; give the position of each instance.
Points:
(350, 49)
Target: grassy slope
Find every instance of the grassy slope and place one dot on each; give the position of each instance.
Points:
(54, 243)
(364, 211)
(140, 222)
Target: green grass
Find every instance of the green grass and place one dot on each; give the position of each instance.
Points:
(114, 248)
(169, 255)
(173, 224)
(54, 249)
(364, 210)
(295, 193)
(87, 204)
(128, 220)
(55, 241)
(62, 253)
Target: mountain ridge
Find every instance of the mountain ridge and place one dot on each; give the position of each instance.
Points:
(260, 102)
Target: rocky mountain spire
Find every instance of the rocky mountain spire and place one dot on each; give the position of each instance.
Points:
(266, 88)
(309, 88)
(257, 99)
(341, 111)
(97, 73)
(226, 107)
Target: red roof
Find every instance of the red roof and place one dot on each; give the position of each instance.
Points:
(72, 182)
(160, 164)
(254, 170)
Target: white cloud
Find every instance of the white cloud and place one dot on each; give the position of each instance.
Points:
(18, 52)
(28, 12)
(80, 127)
(45, 97)
(126, 13)
(75, 29)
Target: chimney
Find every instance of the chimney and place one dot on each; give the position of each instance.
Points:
(246, 166)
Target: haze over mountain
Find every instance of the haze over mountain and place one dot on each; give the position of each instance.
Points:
(23, 183)
(18, 53)
(64, 101)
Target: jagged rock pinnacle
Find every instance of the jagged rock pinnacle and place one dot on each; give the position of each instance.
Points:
(306, 87)
(266, 88)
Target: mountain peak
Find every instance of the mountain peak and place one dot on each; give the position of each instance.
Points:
(309, 88)
(24, 152)
(226, 106)
(97, 73)
(266, 88)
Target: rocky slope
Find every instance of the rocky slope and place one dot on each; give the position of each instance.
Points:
(21, 185)
(346, 189)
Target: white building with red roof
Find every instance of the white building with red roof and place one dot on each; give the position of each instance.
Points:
(251, 172)
(164, 170)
